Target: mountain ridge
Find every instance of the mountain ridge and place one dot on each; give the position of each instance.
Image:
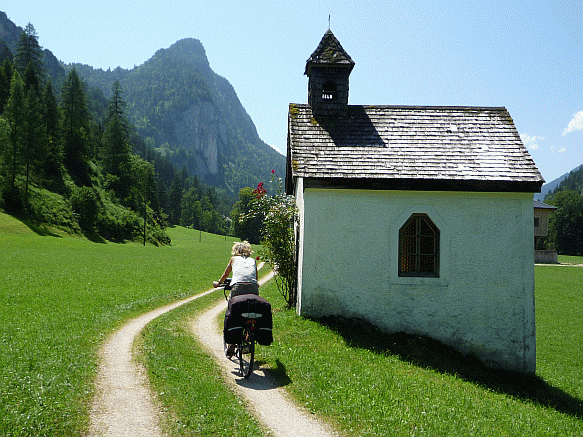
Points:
(552, 185)
(182, 108)
(200, 123)
(10, 33)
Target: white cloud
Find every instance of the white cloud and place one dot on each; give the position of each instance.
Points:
(561, 150)
(531, 142)
(575, 124)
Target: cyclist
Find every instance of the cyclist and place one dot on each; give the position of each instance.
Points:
(244, 275)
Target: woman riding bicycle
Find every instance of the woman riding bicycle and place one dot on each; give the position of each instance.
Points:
(244, 269)
(244, 278)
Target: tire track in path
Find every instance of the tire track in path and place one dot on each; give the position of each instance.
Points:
(123, 405)
(267, 401)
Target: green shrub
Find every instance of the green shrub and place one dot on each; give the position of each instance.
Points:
(85, 203)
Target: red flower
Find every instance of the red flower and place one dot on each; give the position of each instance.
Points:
(273, 171)
(259, 191)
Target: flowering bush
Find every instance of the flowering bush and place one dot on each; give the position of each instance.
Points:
(277, 234)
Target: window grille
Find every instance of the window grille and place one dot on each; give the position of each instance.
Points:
(419, 247)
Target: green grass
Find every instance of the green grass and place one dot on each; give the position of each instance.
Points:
(568, 259)
(365, 382)
(62, 296)
(559, 301)
(370, 383)
(188, 382)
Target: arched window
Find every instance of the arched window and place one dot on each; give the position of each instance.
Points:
(419, 247)
(329, 91)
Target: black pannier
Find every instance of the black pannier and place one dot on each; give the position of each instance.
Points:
(248, 303)
(233, 329)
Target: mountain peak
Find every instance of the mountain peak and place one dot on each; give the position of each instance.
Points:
(190, 50)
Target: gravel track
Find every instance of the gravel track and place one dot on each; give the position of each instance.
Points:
(123, 404)
(266, 400)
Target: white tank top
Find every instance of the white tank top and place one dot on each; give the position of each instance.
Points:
(243, 270)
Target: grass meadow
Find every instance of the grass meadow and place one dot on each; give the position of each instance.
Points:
(62, 296)
(367, 383)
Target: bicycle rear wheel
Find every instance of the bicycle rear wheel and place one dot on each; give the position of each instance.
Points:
(246, 353)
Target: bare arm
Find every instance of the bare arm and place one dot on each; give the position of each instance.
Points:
(226, 274)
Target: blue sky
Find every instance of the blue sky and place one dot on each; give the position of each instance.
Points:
(524, 55)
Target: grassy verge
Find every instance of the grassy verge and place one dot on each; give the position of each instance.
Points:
(188, 382)
(568, 259)
(370, 383)
(62, 296)
(365, 382)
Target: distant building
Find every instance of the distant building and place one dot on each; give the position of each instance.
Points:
(415, 218)
(542, 213)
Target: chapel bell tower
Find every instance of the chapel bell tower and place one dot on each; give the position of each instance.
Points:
(328, 69)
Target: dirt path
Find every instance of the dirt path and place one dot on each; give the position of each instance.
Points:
(123, 405)
(268, 402)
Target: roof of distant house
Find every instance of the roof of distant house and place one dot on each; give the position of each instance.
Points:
(542, 205)
(411, 147)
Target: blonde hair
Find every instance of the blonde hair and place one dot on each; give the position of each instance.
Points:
(241, 248)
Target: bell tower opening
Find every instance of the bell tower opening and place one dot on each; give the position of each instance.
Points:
(329, 91)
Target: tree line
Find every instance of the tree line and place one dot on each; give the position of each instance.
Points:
(72, 159)
(566, 223)
(176, 91)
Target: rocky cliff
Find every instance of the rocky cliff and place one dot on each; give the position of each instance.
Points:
(193, 115)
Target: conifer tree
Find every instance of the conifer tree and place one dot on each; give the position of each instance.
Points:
(5, 53)
(51, 120)
(14, 115)
(34, 145)
(76, 129)
(32, 80)
(116, 107)
(116, 159)
(116, 145)
(28, 51)
(5, 80)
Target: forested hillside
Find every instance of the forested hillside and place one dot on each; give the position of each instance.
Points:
(192, 116)
(72, 158)
(573, 181)
(566, 223)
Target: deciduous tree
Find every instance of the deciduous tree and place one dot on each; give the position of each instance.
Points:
(566, 223)
(246, 226)
(279, 213)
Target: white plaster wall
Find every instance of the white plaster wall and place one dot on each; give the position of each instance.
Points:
(483, 300)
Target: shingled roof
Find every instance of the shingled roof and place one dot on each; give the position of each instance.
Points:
(329, 52)
(541, 205)
(410, 147)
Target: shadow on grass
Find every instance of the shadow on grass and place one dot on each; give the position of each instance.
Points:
(35, 226)
(432, 354)
(41, 230)
(279, 374)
